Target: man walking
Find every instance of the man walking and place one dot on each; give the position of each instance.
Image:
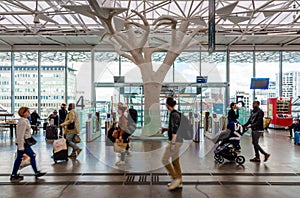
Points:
(72, 128)
(256, 121)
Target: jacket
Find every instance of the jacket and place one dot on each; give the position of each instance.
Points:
(62, 115)
(71, 117)
(22, 132)
(256, 120)
(232, 116)
(174, 123)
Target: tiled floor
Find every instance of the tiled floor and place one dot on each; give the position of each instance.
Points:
(94, 174)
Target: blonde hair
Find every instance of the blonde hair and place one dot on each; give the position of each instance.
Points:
(22, 111)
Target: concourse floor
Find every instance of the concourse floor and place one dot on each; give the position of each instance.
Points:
(94, 174)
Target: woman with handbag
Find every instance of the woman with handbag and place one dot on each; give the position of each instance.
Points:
(121, 134)
(24, 141)
(72, 128)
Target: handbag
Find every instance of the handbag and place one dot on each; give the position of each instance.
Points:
(30, 141)
(77, 139)
(120, 147)
(71, 126)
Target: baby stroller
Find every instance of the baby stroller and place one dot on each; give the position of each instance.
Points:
(225, 148)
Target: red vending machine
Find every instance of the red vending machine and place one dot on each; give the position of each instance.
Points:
(280, 112)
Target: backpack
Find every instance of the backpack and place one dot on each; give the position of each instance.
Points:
(132, 119)
(186, 130)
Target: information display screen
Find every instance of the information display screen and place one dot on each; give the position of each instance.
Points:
(259, 83)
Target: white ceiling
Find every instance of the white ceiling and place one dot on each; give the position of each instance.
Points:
(238, 23)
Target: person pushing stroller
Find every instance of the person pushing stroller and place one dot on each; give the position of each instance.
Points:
(233, 115)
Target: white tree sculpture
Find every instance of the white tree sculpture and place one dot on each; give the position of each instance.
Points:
(133, 44)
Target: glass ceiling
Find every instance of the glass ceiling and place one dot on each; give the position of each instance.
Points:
(77, 17)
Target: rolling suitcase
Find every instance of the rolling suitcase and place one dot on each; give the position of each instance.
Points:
(296, 137)
(51, 132)
(60, 150)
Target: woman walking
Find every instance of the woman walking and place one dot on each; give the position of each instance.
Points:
(23, 133)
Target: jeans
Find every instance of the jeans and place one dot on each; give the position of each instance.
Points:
(255, 138)
(174, 169)
(70, 141)
(27, 150)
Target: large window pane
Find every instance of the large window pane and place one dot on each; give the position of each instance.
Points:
(5, 81)
(130, 71)
(214, 66)
(79, 83)
(291, 74)
(52, 81)
(106, 66)
(241, 70)
(267, 66)
(26, 80)
(291, 79)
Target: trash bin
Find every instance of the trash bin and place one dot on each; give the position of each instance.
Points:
(267, 121)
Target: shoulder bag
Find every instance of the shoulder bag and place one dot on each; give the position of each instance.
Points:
(30, 141)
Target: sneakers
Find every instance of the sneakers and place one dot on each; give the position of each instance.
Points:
(16, 177)
(267, 157)
(78, 151)
(120, 163)
(180, 185)
(174, 184)
(39, 174)
(256, 159)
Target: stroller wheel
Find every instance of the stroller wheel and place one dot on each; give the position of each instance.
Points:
(219, 158)
(240, 159)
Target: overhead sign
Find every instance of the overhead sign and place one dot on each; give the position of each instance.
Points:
(201, 79)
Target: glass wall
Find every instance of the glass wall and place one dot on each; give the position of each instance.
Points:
(5, 81)
(79, 83)
(214, 66)
(291, 79)
(106, 66)
(241, 71)
(267, 66)
(52, 82)
(291, 74)
(187, 66)
(26, 80)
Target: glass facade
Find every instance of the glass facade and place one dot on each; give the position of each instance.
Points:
(241, 71)
(66, 76)
(26, 79)
(5, 80)
(52, 82)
